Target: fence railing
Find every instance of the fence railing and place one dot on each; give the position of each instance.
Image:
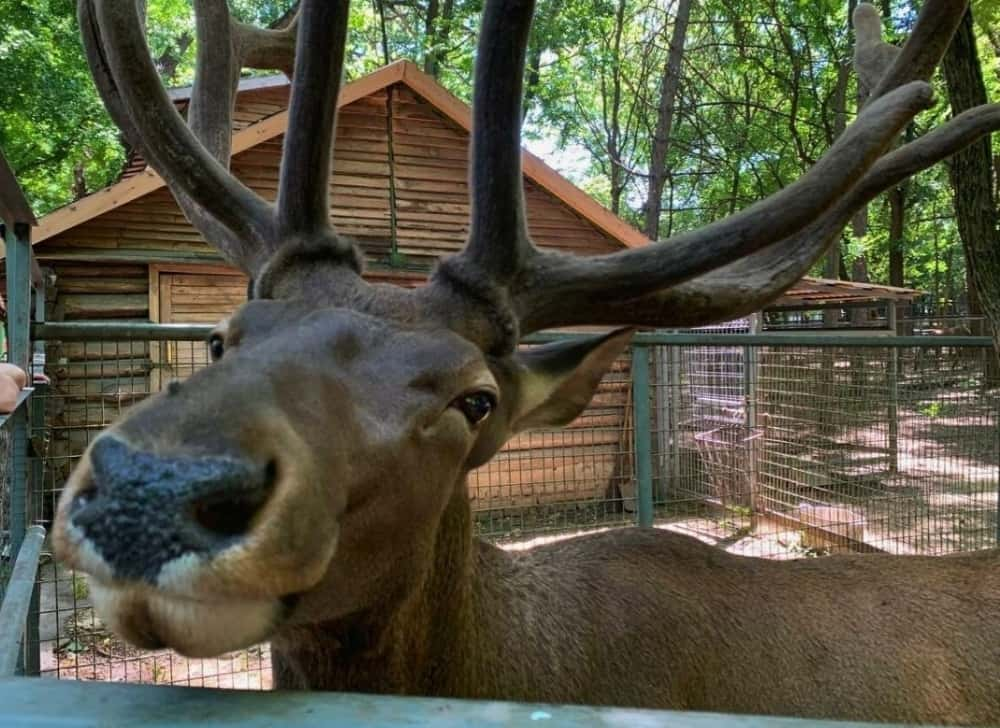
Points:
(20, 545)
(44, 702)
(777, 445)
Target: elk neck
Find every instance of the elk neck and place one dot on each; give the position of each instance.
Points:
(434, 637)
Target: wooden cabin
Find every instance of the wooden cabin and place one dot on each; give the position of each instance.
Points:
(127, 253)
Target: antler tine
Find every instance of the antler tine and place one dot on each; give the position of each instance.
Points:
(268, 47)
(231, 217)
(553, 283)
(303, 192)
(498, 240)
(557, 290)
(748, 284)
(217, 74)
(100, 70)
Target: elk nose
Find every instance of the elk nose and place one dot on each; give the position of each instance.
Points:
(142, 510)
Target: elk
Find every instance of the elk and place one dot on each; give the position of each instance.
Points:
(308, 487)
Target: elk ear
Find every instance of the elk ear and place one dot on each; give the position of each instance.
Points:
(557, 381)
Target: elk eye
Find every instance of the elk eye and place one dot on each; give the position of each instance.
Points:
(216, 347)
(476, 406)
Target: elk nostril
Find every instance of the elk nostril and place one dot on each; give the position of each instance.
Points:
(227, 516)
(231, 514)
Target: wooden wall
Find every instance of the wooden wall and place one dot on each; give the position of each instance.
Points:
(117, 267)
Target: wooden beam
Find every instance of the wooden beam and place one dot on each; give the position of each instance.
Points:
(95, 255)
(207, 269)
(14, 207)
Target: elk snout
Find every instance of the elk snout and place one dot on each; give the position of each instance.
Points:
(141, 511)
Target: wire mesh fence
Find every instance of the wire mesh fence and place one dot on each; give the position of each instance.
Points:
(18, 594)
(776, 445)
(800, 449)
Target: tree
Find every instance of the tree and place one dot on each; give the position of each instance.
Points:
(53, 128)
(971, 173)
(665, 120)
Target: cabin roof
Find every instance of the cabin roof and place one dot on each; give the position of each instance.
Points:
(139, 182)
(822, 292)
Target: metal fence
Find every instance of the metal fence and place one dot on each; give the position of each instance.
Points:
(20, 542)
(783, 445)
(777, 445)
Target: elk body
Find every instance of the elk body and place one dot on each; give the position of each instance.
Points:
(308, 488)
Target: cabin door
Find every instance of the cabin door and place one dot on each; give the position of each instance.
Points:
(189, 296)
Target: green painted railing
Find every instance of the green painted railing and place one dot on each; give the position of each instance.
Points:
(19, 598)
(27, 702)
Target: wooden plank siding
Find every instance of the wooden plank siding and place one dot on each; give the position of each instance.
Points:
(431, 156)
(129, 275)
(251, 106)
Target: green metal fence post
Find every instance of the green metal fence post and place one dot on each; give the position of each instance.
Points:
(18, 251)
(15, 607)
(674, 384)
(751, 374)
(17, 239)
(643, 436)
(32, 640)
(893, 413)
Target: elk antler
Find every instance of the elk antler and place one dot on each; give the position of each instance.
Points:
(194, 160)
(303, 192)
(500, 286)
(728, 268)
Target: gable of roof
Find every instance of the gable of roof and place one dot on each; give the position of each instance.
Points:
(141, 183)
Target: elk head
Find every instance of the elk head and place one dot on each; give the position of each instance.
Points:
(305, 474)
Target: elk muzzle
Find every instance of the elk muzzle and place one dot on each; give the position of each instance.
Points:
(201, 549)
(140, 511)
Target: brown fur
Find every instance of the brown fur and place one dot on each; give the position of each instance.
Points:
(651, 618)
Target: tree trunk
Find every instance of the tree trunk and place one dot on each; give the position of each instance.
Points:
(437, 30)
(833, 256)
(897, 226)
(665, 120)
(538, 43)
(971, 173)
(430, 23)
(897, 220)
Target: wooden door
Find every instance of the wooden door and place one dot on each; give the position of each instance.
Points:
(188, 296)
